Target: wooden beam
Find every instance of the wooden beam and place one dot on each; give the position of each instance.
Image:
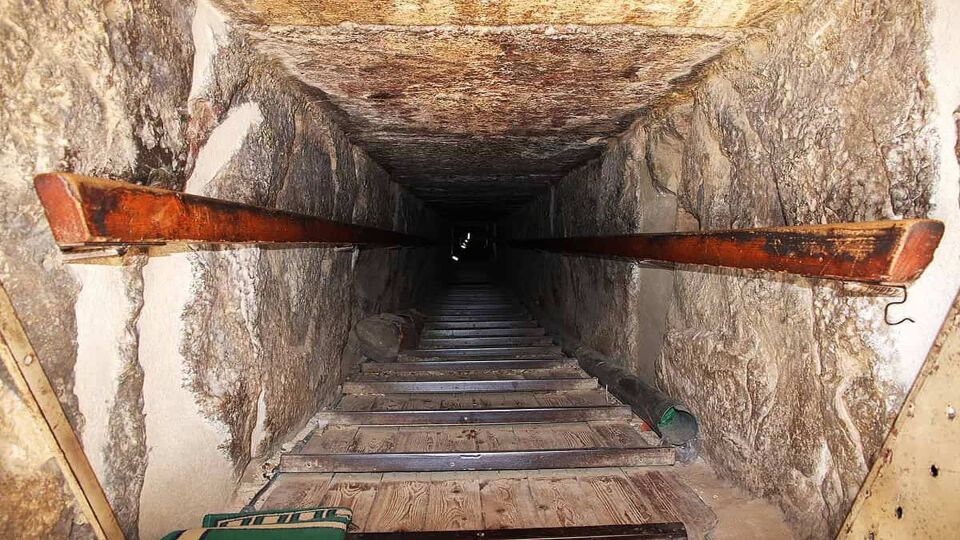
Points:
(84, 211)
(35, 390)
(882, 252)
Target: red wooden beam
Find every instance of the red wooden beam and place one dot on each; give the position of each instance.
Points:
(84, 211)
(882, 252)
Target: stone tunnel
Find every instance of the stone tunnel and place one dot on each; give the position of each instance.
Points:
(199, 375)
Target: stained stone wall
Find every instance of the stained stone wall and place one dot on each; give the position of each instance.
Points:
(831, 117)
(181, 366)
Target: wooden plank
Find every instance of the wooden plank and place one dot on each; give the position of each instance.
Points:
(85, 211)
(453, 502)
(458, 365)
(522, 385)
(502, 341)
(554, 436)
(646, 531)
(374, 439)
(482, 332)
(506, 501)
(471, 324)
(538, 351)
(354, 491)
(478, 461)
(490, 400)
(295, 490)
(332, 439)
(492, 318)
(31, 383)
(559, 500)
(618, 433)
(400, 505)
(887, 252)
(498, 438)
(354, 402)
(612, 490)
(913, 488)
(478, 416)
(558, 372)
(668, 499)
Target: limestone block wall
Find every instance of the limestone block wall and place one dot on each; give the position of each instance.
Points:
(843, 112)
(179, 367)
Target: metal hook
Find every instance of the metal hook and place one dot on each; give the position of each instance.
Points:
(886, 316)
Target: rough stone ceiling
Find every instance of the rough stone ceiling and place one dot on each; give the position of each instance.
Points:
(478, 104)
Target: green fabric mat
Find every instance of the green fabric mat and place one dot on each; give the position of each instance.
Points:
(308, 524)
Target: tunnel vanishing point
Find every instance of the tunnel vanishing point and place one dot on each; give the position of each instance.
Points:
(480, 269)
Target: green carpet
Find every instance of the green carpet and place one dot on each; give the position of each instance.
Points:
(308, 524)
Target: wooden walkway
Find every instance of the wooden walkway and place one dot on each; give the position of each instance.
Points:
(486, 426)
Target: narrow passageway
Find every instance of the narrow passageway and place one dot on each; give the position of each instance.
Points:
(480, 265)
(487, 425)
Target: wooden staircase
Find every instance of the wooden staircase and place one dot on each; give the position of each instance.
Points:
(486, 425)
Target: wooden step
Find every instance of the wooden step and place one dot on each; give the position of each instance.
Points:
(478, 416)
(346, 439)
(477, 318)
(592, 397)
(476, 352)
(479, 461)
(505, 313)
(470, 325)
(457, 365)
(406, 387)
(482, 374)
(500, 341)
(481, 332)
(455, 304)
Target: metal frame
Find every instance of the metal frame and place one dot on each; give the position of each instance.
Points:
(511, 415)
(644, 531)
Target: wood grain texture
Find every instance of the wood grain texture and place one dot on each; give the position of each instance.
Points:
(354, 491)
(85, 211)
(887, 252)
(295, 490)
(400, 504)
(453, 502)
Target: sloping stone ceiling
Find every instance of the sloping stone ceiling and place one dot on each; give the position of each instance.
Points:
(478, 105)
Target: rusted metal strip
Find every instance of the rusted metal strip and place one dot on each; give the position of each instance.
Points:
(885, 252)
(511, 460)
(457, 386)
(84, 211)
(533, 415)
(644, 531)
(458, 365)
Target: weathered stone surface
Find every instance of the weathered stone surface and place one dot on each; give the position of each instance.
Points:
(94, 90)
(711, 13)
(793, 380)
(256, 334)
(487, 92)
(35, 501)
